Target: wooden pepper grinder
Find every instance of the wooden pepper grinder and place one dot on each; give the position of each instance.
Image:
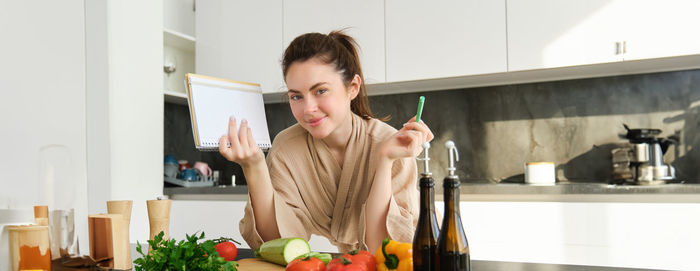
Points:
(29, 247)
(123, 208)
(159, 217)
(41, 215)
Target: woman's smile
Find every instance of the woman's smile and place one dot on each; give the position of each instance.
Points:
(316, 121)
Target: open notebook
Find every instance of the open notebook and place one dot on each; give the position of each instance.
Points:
(213, 100)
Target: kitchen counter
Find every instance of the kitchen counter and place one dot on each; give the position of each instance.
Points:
(569, 191)
(244, 253)
(239, 192)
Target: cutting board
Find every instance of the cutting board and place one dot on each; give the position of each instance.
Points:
(253, 264)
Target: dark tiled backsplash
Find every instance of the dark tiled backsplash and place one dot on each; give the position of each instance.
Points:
(573, 123)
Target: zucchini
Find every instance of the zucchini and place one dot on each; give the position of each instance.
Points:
(283, 250)
(324, 257)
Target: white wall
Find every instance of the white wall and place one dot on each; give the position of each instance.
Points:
(97, 96)
(43, 112)
(82, 118)
(635, 235)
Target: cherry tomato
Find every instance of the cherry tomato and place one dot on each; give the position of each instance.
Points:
(227, 250)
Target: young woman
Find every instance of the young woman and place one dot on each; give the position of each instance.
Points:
(339, 172)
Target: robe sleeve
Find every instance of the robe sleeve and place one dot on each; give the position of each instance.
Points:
(293, 218)
(402, 216)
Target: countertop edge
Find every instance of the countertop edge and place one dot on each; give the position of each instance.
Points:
(669, 193)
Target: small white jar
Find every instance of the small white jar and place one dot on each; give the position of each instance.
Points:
(541, 173)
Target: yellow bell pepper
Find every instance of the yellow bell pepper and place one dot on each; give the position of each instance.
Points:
(394, 255)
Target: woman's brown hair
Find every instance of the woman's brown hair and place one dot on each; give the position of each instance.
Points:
(336, 48)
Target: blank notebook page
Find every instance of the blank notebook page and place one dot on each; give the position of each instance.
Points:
(213, 100)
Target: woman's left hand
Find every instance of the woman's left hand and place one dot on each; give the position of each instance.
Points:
(407, 141)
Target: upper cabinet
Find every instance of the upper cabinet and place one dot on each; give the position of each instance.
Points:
(178, 16)
(558, 33)
(178, 47)
(363, 20)
(661, 28)
(241, 40)
(413, 45)
(444, 38)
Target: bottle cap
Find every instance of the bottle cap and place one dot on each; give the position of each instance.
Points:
(426, 160)
(452, 156)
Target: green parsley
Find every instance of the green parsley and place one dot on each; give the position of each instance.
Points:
(185, 255)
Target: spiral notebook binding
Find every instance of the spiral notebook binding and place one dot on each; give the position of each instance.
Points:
(213, 145)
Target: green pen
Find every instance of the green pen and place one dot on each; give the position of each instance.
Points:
(421, 101)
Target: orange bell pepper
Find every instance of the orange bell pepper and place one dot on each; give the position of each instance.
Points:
(395, 255)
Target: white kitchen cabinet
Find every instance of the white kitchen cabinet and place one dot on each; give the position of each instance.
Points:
(178, 60)
(178, 48)
(559, 33)
(364, 21)
(661, 28)
(178, 16)
(445, 38)
(240, 40)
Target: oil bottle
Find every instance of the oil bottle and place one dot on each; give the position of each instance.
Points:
(425, 238)
(453, 249)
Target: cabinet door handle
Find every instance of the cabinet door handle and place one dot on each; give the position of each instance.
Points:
(624, 47)
(618, 48)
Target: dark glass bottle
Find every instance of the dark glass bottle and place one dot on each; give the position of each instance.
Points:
(453, 249)
(425, 238)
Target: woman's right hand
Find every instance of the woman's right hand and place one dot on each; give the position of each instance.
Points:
(239, 146)
(406, 142)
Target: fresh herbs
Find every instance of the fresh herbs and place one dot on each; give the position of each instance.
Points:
(185, 255)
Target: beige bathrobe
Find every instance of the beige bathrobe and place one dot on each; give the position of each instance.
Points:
(314, 195)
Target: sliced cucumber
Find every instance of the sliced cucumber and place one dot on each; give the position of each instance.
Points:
(282, 251)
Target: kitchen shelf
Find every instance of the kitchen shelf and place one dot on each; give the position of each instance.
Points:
(174, 97)
(178, 40)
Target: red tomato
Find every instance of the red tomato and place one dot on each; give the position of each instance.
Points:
(306, 264)
(343, 264)
(227, 250)
(362, 257)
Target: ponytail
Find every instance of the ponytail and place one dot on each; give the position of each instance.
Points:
(336, 48)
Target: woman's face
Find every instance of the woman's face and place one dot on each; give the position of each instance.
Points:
(319, 99)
